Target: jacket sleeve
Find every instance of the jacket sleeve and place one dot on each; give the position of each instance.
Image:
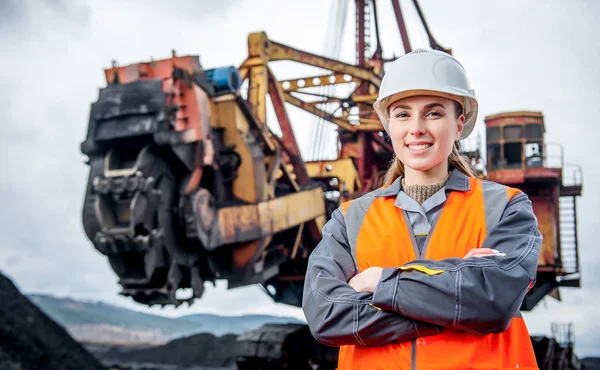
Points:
(480, 294)
(337, 314)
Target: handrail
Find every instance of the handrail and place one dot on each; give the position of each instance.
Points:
(575, 178)
(547, 156)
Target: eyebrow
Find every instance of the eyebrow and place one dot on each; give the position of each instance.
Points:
(434, 105)
(428, 106)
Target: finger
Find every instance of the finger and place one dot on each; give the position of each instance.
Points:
(489, 251)
(479, 252)
(355, 283)
(471, 253)
(487, 254)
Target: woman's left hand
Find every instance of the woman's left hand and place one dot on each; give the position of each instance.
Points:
(367, 280)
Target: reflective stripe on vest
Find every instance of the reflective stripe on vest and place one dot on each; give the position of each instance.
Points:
(380, 235)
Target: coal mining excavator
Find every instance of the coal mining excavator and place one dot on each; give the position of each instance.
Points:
(189, 183)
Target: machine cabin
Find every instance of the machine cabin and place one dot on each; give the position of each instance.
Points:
(518, 156)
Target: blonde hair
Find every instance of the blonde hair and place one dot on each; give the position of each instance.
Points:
(455, 160)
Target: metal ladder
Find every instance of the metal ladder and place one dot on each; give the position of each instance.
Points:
(569, 251)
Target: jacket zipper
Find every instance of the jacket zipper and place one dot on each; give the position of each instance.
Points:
(411, 232)
(413, 354)
(431, 230)
(419, 255)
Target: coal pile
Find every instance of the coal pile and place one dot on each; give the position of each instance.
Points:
(590, 363)
(30, 340)
(205, 350)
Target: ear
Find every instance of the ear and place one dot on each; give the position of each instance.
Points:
(460, 125)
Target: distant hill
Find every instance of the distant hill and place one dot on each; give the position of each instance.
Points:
(98, 322)
(219, 325)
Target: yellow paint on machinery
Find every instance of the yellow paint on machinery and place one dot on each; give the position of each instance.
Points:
(237, 132)
(341, 169)
(255, 221)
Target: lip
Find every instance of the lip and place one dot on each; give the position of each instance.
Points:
(421, 151)
(419, 143)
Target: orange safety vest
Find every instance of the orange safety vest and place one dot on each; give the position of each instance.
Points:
(461, 227)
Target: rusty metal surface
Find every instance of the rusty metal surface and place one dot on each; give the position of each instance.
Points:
(283, 52)
(432, 42)
(551, 174)
(236, 128)
(381, 141)
(508, 177)
(365, 124)
(238, 224)
(257, 92)
(262, 130)
(514, 118)
(515, 114)
(312, 81)
(545, 213)
(544, 182)
(342, 169)
(262, 50)
(162, 69)
(254, 221)
(288, 138)
(401, 26)
(360, 32)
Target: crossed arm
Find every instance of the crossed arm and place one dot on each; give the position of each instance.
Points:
(407, 303)
(339, 315)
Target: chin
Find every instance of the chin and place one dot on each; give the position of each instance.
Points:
(421, 165)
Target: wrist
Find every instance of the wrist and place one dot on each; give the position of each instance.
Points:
(384, 292)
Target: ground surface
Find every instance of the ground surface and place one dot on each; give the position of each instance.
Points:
(29, 340)
(205, 350)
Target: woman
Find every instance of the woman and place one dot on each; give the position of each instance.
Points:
(429, 271)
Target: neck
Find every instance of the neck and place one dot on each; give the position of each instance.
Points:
(431, 176)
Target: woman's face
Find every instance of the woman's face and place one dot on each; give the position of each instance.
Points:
(423, 130)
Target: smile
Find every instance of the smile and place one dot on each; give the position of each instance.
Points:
(418, 147)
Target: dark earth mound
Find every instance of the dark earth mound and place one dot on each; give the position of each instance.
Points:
(590, 363)
(29, 340)
(203, 349)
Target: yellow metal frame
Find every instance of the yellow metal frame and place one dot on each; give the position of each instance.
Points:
(261, 51)
(342, 169)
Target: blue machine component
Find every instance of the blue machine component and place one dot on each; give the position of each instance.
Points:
(224, 79)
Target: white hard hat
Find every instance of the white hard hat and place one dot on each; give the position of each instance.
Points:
(427, 72)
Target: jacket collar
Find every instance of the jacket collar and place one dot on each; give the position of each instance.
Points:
(457, 181)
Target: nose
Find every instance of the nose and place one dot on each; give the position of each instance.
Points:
(418, 128)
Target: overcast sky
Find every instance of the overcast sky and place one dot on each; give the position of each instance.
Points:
(539, 55)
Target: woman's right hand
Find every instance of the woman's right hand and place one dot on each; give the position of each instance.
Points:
(482, 252)
(367, 280)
